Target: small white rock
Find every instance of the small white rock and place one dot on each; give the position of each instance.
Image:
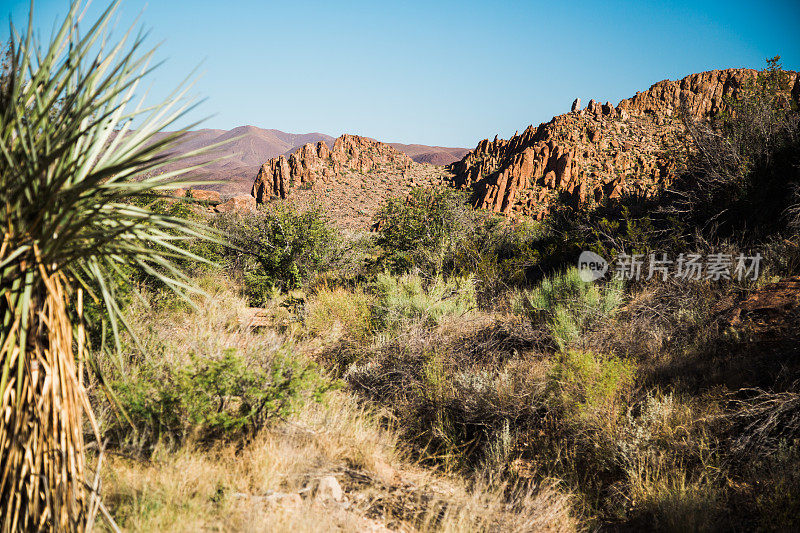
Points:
(329, 489)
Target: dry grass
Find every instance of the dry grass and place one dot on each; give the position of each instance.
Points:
(229, 485)
(336, 313)
(667, 498)
(523, 439)
(227, 488)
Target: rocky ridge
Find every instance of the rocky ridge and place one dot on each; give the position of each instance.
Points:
(602, 151)
(348, 181)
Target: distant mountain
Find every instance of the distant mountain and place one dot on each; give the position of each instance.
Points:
(244, 156)
(435, 155)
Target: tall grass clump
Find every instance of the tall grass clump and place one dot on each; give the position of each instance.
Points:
(338, 312)
(410, 299)
(69, 165)
(568, 305)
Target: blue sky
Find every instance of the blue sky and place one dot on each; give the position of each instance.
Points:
(444, 73)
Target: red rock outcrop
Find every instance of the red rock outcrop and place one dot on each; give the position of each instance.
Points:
(347, 182)
(598, 152)
(314, 164)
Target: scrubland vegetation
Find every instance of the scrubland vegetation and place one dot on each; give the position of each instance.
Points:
(452, 370)
(472, 346)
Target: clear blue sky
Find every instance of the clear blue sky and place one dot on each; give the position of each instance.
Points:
(446, 73)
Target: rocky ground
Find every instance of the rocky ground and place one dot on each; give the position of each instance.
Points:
(351, 199)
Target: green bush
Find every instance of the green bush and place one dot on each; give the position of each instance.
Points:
(210, 398)
(500, 253)
(568, 305)
(409, 298)
(278, 248)
(436, 232)
(585, 386)
(422, 230)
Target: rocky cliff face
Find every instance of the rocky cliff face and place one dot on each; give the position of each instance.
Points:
(313, 165)
(347, 181)
(597, 152)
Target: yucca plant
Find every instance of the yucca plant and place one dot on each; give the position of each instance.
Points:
(70, 163)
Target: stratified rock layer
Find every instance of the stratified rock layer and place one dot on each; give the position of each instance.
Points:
(603, 151)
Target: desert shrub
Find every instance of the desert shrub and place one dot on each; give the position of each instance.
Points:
(633, 224)
(665, 424)
(197, 373)
(453, 387)
(776, 479)
(585, 386)
(436, 232)
(409, 298)
(764, 422)
(340, 312)
(422, 230)
(277, 248)
(500, 254)
(210, 398)
(568, 305)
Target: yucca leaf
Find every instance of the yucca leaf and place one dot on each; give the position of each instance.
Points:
(70, 164)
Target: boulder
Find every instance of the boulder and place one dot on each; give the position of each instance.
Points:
(773, 302)
(284, 500)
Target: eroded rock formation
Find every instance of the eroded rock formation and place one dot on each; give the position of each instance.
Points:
(315, 164)
(598, 152)
(348, 182)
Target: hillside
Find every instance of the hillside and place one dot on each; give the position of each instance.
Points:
(434, 155)
(601, 151)
(242, 155)
(578, 158)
